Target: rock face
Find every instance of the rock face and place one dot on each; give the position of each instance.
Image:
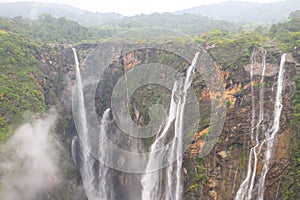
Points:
(218, 175)
(57, 65)
(227, 163)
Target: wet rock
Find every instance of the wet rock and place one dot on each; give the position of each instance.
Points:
(271, 69)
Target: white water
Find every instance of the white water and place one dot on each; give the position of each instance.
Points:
(270, 134)
(103, 170)
(151, 182)
(93, 189)
(234, 180)
(73, 149)
(246, 189)
(87, 162)
(252, 95)
(257, 147)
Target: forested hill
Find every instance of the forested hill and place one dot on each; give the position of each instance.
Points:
(233, 11)
(49, 29)
(236, 11)
(32, 10)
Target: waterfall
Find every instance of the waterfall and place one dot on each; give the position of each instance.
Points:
(87, 161)
(73, 149)
(95, 186)
(271, 133)
(151, 182)
(252, 95)
(177, 146)
(234, 180)
(257, 147)
(102, 149)
(246, 189)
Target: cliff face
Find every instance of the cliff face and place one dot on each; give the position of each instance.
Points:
(219, 174)
(57, 66)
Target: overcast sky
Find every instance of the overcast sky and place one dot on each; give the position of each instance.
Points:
(133, 7)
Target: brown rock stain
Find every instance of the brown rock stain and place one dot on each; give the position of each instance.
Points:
(198, 144)
(130, 61)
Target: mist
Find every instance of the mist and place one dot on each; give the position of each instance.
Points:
(29, 160)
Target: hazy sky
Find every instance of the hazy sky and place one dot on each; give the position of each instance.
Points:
(133, 7)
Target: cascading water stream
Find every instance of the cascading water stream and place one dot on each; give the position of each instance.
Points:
(95, 186)
(257, 147)
(252, 95)
(246, 189)
(87, 162)
(151, 182)
(102, 150)
(178, 143)
(271, 133)
(73, 149)
(234, 180)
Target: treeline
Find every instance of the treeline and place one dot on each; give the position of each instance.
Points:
(186, 23)
(233, 49)
(61, 30)
(287, 33)
(48, 29)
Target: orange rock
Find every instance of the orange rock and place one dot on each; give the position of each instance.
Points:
(198, 144)
(130, 61)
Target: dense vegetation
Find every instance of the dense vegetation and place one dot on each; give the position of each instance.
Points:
(49, 29)
(20, 86)
(288, 33)
(187, 23)
(232, 49)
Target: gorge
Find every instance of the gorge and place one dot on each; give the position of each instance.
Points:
(149, 113)
(263, 129)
